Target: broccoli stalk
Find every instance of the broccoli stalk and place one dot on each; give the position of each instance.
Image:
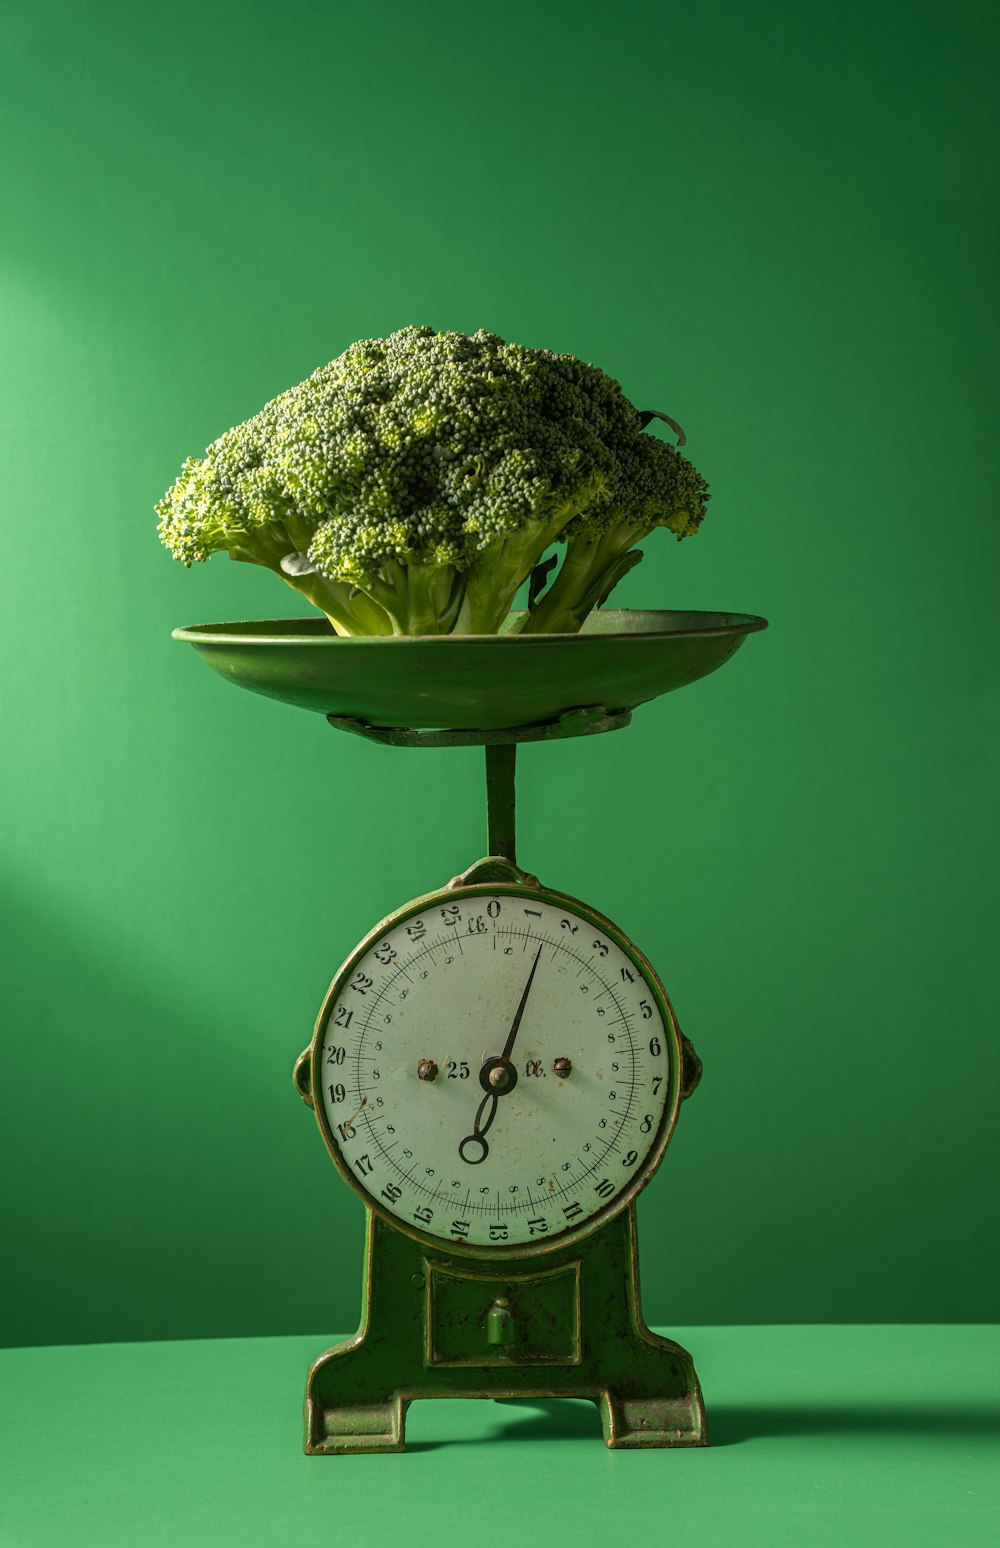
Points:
(595, 562)
(349, 610)
(417, 598)
(502, 567)
(660, 488)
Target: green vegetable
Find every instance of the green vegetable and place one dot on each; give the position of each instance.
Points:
(412, 485)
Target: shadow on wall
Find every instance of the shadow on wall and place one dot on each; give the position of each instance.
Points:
(140, 1184)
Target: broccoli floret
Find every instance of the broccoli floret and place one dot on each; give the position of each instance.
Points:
(657, 487)
(413, 484)
(232, 501)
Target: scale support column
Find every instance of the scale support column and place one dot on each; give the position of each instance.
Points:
(501, 817)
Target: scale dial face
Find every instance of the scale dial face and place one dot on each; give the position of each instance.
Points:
(496, 1068)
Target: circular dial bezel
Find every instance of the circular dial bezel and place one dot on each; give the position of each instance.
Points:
(494, 1252)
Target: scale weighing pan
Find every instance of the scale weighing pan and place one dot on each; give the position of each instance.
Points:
(491, 683)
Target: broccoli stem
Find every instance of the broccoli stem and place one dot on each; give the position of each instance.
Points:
(417, 598)
(586, 575)
(508, 561)
(493, 579)
(349, 611)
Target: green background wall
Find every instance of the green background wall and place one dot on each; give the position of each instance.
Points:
(776, 221)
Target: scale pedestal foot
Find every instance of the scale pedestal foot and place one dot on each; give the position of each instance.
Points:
(572, 1328)
(353, 1427)
(345, 1409)
(659, 1419)
(630, 1426)
(653, 1397)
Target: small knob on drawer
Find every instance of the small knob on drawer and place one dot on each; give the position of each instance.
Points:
(500, 1322)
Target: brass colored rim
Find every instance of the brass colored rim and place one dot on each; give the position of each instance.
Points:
(224, 633)
(668, 1122)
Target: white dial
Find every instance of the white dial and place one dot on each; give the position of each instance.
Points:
(496, 1068)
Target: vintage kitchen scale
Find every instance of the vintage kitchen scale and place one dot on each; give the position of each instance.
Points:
(496, 1069)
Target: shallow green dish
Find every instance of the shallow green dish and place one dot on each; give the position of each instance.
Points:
(621, 659)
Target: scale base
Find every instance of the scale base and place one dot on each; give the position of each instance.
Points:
(571, 1327)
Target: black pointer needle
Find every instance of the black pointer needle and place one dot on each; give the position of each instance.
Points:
(477, 1139)
(515, 1024)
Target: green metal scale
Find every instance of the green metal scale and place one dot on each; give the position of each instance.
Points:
(496, 1069)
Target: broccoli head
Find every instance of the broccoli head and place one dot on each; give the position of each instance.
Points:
(413, 484)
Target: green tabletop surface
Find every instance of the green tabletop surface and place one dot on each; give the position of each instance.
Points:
(819, 1435)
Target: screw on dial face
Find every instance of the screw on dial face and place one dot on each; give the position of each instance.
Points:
(503, 993)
